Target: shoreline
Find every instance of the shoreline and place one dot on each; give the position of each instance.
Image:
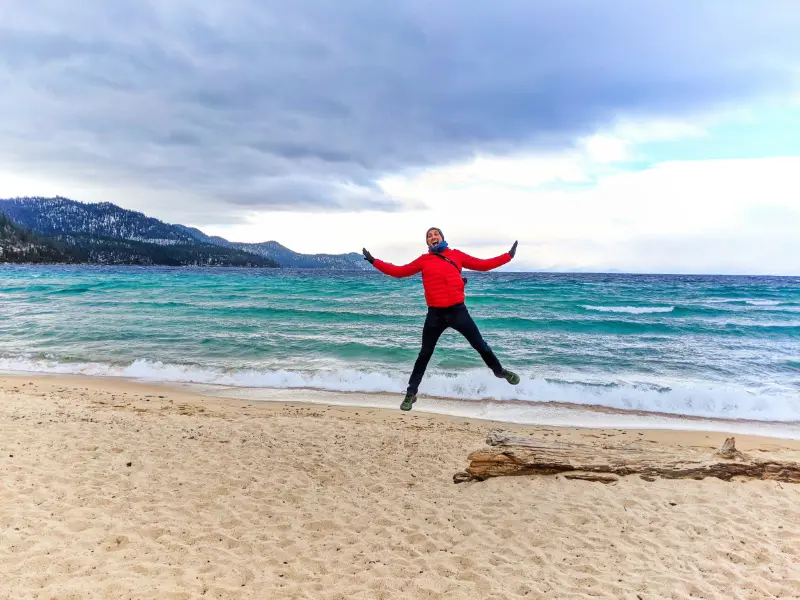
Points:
(504, 412)
(484, 414)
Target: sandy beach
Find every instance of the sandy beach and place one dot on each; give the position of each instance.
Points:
(113, 489)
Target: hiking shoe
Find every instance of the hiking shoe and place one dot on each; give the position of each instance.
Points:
(509, 376)
(409, 400)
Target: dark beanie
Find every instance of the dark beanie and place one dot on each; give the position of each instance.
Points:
(437, 229)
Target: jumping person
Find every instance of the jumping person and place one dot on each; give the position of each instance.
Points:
(444, 295)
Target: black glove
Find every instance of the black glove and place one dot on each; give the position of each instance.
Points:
(513, 250)
(367, 256)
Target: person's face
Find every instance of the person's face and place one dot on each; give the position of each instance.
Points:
(434, 237)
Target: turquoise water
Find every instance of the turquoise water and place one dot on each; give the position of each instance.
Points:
(726, 347)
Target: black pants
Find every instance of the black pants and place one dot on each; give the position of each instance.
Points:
(437, 321)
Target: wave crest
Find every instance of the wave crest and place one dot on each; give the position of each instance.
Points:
(707, 400)
(633, 310)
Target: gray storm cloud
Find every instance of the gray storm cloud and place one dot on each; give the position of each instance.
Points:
(304, 104)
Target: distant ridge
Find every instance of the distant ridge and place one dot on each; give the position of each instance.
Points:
(284, 256)
(116, 232)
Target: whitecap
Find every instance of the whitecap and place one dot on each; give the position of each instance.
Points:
(633, 310)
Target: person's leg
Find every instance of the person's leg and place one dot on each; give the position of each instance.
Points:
(460, 320)
(434, 326)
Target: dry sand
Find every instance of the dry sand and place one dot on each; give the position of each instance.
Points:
(112, 489)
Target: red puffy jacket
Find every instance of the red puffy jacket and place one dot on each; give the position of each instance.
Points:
(441, 280)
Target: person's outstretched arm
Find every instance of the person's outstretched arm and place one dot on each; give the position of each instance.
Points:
(408, 270)
(487, 264)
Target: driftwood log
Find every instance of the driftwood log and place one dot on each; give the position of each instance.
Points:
(530, 456)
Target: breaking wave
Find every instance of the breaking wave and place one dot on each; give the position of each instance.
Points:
(706, 400)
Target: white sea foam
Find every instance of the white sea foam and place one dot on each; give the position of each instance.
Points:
(698, 400)
(633, 310)
(750, 301)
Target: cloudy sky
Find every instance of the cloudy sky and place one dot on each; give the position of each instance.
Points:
(657, 136)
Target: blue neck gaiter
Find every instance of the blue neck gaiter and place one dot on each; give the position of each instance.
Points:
(438, 247)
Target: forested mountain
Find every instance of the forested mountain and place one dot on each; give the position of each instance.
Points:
(91, 227)
(19, 245)
(54, 216)
(56, 230)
